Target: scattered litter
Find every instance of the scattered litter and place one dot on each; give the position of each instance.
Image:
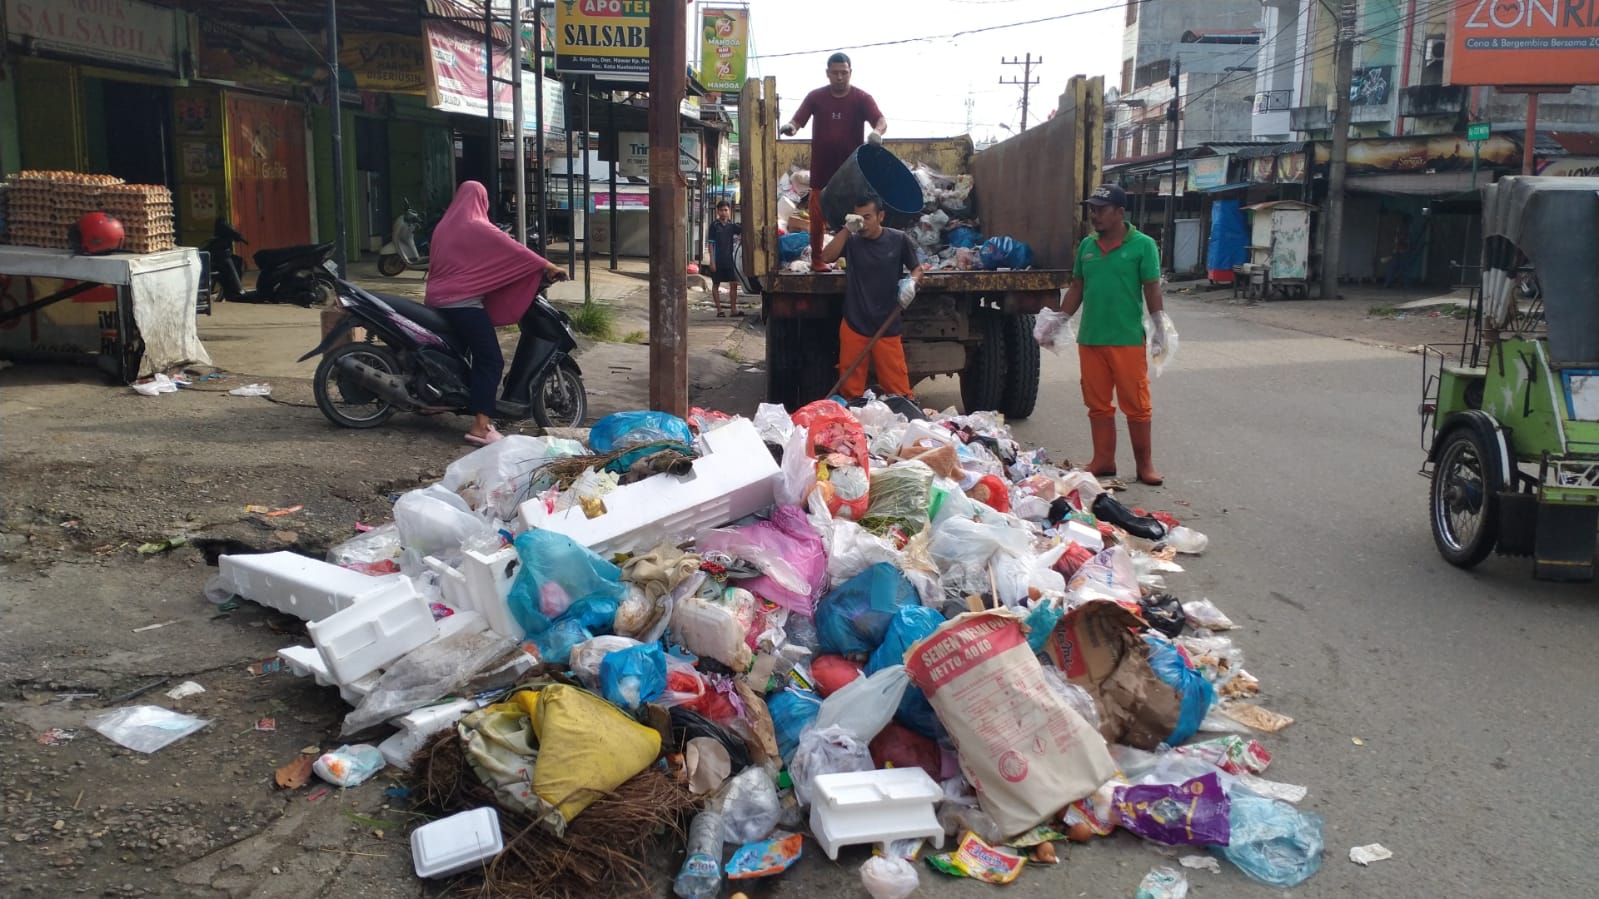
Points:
(1163, 883)
(145, 728)
(151, 627)
(270, 512)
(266, 725)
(1201, 863)
(295, 774)
(56, 736)
(184, 690)
(252, 390)
(889, 877)
(348, 765)
(161, 546)
(155, 386)
(1371, 852)
(765, 858)
(457, 843)
(265, 667)
(1357, 741)
(318, 793)
(1259, 718)
(978, 860)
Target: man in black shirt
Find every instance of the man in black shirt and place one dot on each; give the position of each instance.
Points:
(719, 247)
(875, 289)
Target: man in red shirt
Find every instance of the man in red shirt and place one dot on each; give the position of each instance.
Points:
(840, 111)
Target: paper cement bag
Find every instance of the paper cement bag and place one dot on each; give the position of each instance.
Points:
(1098, 648)
(1026, 751)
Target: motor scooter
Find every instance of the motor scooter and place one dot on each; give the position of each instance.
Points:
(407, 247)
(302, 275)
(412, 360)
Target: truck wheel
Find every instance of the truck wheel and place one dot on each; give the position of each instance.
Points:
(784, 358)
(818, 360)
(1022, 362)
(983, 378)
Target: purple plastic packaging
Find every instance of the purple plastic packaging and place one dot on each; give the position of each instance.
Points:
(1192, 813)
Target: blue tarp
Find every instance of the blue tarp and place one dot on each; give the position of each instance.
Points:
(1229, 235)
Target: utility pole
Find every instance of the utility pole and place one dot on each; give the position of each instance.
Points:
(519, 146)
(668, 255)
(1026, 81)
(1168, 234)
(1332, 246)
(341, 253)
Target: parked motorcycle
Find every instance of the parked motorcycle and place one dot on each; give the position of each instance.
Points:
(413, 361)
(302, 275)
(407, 247)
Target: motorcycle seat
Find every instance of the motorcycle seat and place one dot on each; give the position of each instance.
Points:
(265, 259)
(427, 317)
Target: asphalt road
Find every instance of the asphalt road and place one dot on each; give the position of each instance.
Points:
(1471, 693)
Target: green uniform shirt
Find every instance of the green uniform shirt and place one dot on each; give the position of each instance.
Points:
(1113, 288)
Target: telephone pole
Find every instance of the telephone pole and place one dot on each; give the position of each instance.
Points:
(1026, 81)
(1332, 243)
(1168, 234)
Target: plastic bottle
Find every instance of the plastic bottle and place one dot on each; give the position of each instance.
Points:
(701, 874)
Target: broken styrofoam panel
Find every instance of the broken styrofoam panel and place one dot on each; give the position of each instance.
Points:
(353, 693)
(305, 661)
(735, 478)
(859, 807)
(299, 585)
(482, 584)
(462, 622)
(372, 633)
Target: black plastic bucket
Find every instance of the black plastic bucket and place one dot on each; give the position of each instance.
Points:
(872, 172)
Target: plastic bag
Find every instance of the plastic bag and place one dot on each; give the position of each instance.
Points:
(897, 746)
(624, 429)
(830, 431)
(749, 806)
(144, 728)
(826, 750)
(792, 712)
(911, 625)
(1163, 883)
(717, 627)
(375, 552)
(1005, 252)
(765, 858)
(497, 478)
(556, 572)
(684, 685)
(1203, 613)
(348, 765)
(830, 673)
(1109, 575)
(864, 706)
(966, 551)
(633, 676)
(433, 521)
(430, 672)
(1163, 612)
(1196, 694)
(1273, 842)
(586, 657)
(787, 551)
(773, 424)
(1053, 330)
(1081, 701)
(1192, 813)
(898, 499)
(1158, 360)
(854, 618)
(556, 642)
(889, 877)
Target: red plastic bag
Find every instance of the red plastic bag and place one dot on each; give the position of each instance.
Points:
(991, 490)
(832, 432)
(1072, 559)
(832, 672)
(897, 746)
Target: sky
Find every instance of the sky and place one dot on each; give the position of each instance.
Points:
(922, 85)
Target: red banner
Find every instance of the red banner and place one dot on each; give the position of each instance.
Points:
(458, 72)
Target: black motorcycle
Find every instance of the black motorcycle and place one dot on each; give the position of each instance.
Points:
(411, 360)
(302, 275)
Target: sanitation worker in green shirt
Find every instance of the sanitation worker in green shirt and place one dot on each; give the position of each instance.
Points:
(1115, 276)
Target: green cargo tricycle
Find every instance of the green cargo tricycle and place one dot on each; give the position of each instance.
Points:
(1510, 417)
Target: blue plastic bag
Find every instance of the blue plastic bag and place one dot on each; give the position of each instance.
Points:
(597, 614)
(792, 246)
(633, 676)
(1272, 841)
(556, 642)
(1041, 621)
(910, 625)
(1193, 690)
(1005, 252)
(964, 237)
(622, 429)
(792, 712)
(557, 572)
(854, 618)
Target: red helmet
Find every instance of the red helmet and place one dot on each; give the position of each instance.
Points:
(97, 232)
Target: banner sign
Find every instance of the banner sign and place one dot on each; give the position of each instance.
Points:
(554, 106)
(1513, 43)
(458, 73)
(262, 57)
(117, 31)
(602, 37)
(1206, 172)
(724, 48)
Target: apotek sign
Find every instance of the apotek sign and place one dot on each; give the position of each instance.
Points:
(603, 37)
(1511, 43)
(115, 31)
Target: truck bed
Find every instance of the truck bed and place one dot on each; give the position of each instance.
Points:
(933, 282)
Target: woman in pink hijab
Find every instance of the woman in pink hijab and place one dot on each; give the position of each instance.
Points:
(479, 278)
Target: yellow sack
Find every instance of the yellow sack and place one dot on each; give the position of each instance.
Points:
(587, 747)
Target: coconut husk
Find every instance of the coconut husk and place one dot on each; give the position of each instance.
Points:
(606, 852)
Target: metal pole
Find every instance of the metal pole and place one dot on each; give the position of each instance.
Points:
(610, 126)
(519, 148)
(1168, 234)
(493, 183)
(541, 184)
(1529, 142)
(668, 276)
(588, 193)
(1336, 168)
(341, 249)
(571, 187)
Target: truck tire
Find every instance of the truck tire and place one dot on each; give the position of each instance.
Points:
(1022, 363)
(818, 360)
(784, 358)
(983, 379)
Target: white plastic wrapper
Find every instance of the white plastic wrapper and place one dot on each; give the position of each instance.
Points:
(145, 728)
(889, 877)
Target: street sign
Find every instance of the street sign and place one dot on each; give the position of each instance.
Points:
(1477, 133)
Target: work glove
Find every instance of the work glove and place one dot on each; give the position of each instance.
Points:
(788, 130)
(907, 291)
(873, 137)
(854, 223)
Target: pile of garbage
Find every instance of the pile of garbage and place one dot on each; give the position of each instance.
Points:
(850, 626)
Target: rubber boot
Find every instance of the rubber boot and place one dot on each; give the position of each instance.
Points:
(1143, 453)
(1103, 465)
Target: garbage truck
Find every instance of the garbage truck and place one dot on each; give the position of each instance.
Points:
(974, 325)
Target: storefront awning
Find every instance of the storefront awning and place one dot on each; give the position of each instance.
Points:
(1439, 184)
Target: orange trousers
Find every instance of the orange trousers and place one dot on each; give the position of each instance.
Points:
(1119, 370)
(817, 225)
(888, 357)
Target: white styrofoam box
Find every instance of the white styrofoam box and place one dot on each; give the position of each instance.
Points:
(299, 585)
(1083, 535)
(874, 807)
(305, 661)
(462, 622)
(733, 479)
(457, 843)
(482, 584)
(373, 633)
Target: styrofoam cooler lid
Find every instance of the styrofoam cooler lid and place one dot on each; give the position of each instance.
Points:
(894, 785)
(454, 844)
